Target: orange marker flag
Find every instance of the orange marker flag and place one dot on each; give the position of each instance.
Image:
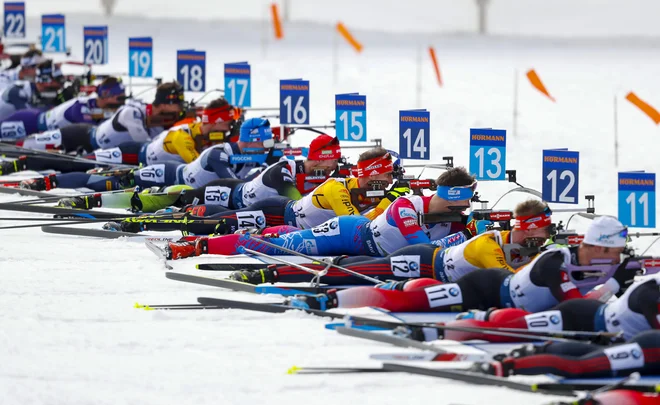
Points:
(435, 65)
(538, 84)
(642, 105)
(277, 23)
(341, 28)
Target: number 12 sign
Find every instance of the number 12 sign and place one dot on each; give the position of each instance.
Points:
(414, 134)
(488, 153)
(294, 101)
(561, 169)
(238, 90)
(351, 117)
(637, 199)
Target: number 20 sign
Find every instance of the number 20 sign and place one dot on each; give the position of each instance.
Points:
(637, 199)
(488, 153)
(414, 134)
(561, 169)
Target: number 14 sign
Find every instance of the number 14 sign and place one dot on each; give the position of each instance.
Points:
(637, 199)
(414, 134)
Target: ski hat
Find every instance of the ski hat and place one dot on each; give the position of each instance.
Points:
(111, 89)
(256, 130)
(606, 231)
(48, 72)
(324, 147)
(169, 94)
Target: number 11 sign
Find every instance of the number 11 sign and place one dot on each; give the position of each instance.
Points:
(414, 134)
(637, 199)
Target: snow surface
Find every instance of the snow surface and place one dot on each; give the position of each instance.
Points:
(69, 333)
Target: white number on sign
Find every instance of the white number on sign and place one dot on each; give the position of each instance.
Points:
(94, 51)
(15, 24)
(418, 146)
(644, 200)
(52, 34)
(495, 161)
(243, 84)
(192, 76)
(552, 176)
(354, 123)
(299, 113)
(141, 62)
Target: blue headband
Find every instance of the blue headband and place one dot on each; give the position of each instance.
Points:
(456, 193)
(110, 90)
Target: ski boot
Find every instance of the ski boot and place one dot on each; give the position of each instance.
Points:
(184, 249)
(40, 183)
(321, 302)
(13, 166)
(84, 202)
(267, 275)
(494, 368)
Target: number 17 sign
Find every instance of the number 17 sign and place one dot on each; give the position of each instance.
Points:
(637, 199)
(414, 134)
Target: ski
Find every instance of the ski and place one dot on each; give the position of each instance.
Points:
(239, 285)
(158, 251)
(336, 370)
(62, 211)
(24, 192)
(105, 234)
(230, 266)
(261, 307)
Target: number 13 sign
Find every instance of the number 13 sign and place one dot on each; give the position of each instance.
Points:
(488, 153)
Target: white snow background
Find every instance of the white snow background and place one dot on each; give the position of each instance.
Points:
(68, 331)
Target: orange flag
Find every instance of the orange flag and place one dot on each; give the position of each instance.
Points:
(538, 84)
(647, 109)
(277, 23)
(435, 65)
(343, 31)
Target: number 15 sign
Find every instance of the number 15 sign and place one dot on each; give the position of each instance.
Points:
(637, 199)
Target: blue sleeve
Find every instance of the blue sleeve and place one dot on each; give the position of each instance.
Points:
(451, 240)
(17, 97)
(74, 114)
(218, 162)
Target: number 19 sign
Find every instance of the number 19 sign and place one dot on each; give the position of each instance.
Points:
(351, 117)
(95, 41)
(140, 57)
(294, 101)
(561, 169)
(637, 199)
(15, 20)
(488, 153)
(238, 90)
(414, 134)
(191, 69)
(53, 36)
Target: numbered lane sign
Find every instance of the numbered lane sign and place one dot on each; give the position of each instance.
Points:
(294, 101)
(140, 57)
(637, 199)
(351, 117)
(414, 134)
(53, 34)
(95, 44)
(238, 90)
(488, 153)
(561, 169)
(15, 20)
(191, 69)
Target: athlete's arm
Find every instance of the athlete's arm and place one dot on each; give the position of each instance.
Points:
(550, 271)
(485, 253)
(133, 120)
(339, 198)
(402, 214)
(180, 142)
(646, 301)
(218, 161)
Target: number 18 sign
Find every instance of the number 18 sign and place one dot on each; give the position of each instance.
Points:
(351, 117)
(488, 153)
(191, 69)
(237, 84)
(561, 169)
(637, 199)
(414, 134)
(294, 101)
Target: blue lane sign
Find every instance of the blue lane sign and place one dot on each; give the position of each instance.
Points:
(140, 57)
(191, 69)
(14, 20)
(238, 88)
(561, 169)
(351, 117)
(414, 134)
(637, 199)
(488, 153)
(95, 44)
(53, 34)
(294, 102)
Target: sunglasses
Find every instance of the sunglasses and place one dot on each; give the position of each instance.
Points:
(622, 233)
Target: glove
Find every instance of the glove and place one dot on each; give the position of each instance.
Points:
(476, 227)
(396, 192)
(391, 285)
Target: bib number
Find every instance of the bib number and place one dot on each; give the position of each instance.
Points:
(625, 357)
(251, 219)
(444, 295)
(12, 130)
(49, 138)
(328, 228)
(548, 321)
(217, 195)
(113, 155)
(154, 173)
(405, 266)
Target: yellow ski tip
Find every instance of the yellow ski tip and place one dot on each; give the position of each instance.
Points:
(138, 305)
(197, 266)
(293, 370)
(147, 308)
(534, 387)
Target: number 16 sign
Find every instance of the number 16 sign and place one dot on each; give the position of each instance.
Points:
(488, 153)
(637, 199)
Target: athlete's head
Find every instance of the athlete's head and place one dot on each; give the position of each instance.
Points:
(217, 119)
(255, 136)
(376, 164)
(111, 93)
(48, 79)
(605, 239)
(324, 154)
(456, 188)
(168, 104)
(29, 62)
(532, 220)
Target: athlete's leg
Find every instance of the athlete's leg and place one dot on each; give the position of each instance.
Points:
(216, 193)
(27, 118)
